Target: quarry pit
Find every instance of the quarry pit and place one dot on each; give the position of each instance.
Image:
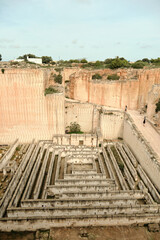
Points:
(106, 176)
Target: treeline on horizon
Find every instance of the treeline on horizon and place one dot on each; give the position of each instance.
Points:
(112, 63)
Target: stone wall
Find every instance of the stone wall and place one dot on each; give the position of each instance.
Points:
(25, 112)
(131, 90)
(153, 97)
(142, 150)
(92, 117)
(111, 124)
(85, 114)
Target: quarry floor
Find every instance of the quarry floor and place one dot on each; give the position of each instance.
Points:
(148, 131)
(89, 233)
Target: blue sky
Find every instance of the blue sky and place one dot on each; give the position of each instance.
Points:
(91, 29)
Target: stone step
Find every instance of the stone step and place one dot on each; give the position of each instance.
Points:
(84, 181)
(89, 171)
(101, 194)
(83, 211)
(87, 202)
(59, 189)
(84, 176)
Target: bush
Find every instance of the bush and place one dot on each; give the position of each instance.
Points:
(58, 69)
(18, 148)
(74, 61)
(113, 77)
(52, 62)
(97, 76)
(158, 106)
(3, 70)
(138, 64)
(119, 63)
(157, 60)
(0, 57)
(83, 60)
(30, 55)
(46, 59)
(58, 78)
(108, 61)
(74, 128)
(146, 60)
(14, 63)
(50, 90)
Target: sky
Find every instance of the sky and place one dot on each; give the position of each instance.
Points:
(75, 29)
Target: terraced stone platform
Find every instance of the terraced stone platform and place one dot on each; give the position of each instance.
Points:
(62, 185)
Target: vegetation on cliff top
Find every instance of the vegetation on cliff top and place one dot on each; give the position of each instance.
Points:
(97, 76)
(113, 77)
(112, 63)
(50, 90)
(58, 78)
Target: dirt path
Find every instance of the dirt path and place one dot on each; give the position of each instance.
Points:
(148, 131)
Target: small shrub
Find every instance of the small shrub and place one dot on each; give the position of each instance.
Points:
(113, 77)
(58, 69)
(52, 63)
(14, 63)
(158, 106)
(121, 166)
(74, 128)
(18, 148)
(138, 65)
(58, 78)
(3, 70)
(50, 90)
(97, 76)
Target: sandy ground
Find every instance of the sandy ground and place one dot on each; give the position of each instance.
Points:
(148, 131)
(88, 233)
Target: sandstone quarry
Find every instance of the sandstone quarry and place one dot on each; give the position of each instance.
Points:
(107, 175)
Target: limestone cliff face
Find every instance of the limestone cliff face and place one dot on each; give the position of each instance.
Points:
(132, 89)
(25, 112)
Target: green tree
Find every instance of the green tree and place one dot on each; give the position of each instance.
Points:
(46, 59)
(119, 63)
(27, 55)
(0, 57)
(83, 60)
(146, 60)
(108, 61)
